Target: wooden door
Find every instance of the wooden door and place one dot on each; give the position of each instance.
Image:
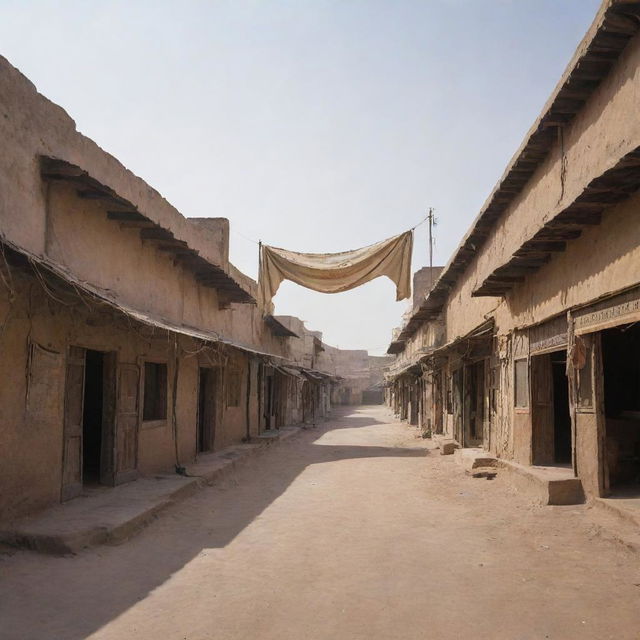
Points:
(597, 372)
(72, 429)
(127, 418)
(438, 408)
(108, 418)
(477, 431)
(456, 391)
(542, 418)
(589, 417)
(207, 407)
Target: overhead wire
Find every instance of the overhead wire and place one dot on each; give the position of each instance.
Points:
(242, 235)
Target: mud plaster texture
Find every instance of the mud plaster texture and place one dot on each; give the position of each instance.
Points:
(354, 530)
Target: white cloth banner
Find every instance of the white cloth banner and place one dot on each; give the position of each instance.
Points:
(336, 272)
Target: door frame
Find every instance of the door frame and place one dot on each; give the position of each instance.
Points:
(72, 490)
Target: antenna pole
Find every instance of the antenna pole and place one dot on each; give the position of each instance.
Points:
(430, 218)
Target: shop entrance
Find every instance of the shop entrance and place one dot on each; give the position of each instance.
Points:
(621, 369)
(550, 414)
(89, 451)
(207, 388)
(92, 419)
(473, 409)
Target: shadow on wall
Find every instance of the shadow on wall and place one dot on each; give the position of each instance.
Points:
(212, 519)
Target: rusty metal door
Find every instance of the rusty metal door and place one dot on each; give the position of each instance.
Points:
(72, 429)
(127, 418)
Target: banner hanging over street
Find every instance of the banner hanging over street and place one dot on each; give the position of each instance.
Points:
(336, 272)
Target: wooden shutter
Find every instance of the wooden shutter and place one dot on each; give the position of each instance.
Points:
(127, 417)
(72, 429)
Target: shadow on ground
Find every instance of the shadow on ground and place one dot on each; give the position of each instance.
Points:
(100, 584)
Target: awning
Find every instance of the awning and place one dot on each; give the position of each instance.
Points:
(483, 331)
(290, 371)
(411, 368)
(105, 297)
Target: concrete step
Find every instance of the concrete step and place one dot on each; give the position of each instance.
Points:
(446, 445)
(549, 485)
(473, 458)
(489, 473)
(111, 515)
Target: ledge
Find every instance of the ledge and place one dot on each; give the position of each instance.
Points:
(111, 515)
(550, 485)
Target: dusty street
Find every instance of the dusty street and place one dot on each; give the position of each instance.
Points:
(352, 530)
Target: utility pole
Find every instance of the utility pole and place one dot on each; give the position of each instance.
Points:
(430, 219)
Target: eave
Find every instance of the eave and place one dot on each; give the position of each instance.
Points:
(123, 212)
(397, 346)
(278, 329)
(616, 23)
(613, 186)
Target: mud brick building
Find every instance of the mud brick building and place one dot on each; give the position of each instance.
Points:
(130, 344)
(528, 344)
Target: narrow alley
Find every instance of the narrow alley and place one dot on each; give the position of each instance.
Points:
(355, 529)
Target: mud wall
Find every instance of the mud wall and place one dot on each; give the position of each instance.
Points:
(599, 135)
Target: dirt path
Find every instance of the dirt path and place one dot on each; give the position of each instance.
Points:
(351, 531)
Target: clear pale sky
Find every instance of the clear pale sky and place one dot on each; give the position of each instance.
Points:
(314, 125)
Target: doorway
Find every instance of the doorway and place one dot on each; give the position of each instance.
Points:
(206, 428)
(473, 408)
(621, 369)
(550, 412)
(268, 405)
(92, 417)
(89, 453)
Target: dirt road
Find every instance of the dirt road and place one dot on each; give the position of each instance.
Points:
(354, 530)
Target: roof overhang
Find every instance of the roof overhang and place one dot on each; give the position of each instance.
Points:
(480, 334)
(613, 186)
(397, 346)
(124, 212)
(616, 23)
(279, 329)
(290, 371)
(44, 267)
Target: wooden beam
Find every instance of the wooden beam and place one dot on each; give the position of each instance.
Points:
(543, 245)
(174, 248)
(126, 216)
(94, 194)
(143, 224)
(156, 234)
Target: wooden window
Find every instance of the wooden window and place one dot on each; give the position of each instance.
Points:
(521, 383)
(155, 391)
(234, 384)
